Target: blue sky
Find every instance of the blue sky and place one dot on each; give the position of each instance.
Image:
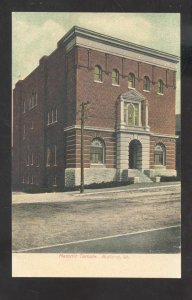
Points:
(36, 34)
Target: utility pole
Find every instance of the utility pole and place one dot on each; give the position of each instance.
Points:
(83, 106)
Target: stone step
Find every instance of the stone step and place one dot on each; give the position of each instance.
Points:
(137, 173)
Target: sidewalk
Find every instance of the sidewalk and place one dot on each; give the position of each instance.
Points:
(20, 197)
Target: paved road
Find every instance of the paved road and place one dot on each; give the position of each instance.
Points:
(166, 240)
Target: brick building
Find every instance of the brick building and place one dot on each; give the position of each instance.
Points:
(130, 124)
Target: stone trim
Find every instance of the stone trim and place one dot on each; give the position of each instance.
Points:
(164, 135)
(139, 130)
(100, 42)
(92, 128)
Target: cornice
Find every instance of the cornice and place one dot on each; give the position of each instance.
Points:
(108, 40)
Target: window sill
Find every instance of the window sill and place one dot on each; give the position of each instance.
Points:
(131, 88)
(115, 84)
(94, 165)
(98, 81)
(146, 91)
(160, 94)
(159, 167)
(52, 123)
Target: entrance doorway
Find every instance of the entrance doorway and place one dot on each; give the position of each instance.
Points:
(135, 155)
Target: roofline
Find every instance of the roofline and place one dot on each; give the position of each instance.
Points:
(105, 39)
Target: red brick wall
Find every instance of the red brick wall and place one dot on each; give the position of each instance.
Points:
(73, 149)
(103, 95)
(64, 80)
(34, 138)
(170, 151)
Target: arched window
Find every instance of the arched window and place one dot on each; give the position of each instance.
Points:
(146, 84)
(97, 73)
(115, 77)
(159, 155)
(160, 86)
(131, 80)
(97, 152)
(131, 112)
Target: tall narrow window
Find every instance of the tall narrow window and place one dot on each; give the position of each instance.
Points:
(24, 106)
(97, 152)
(160, 86)
(55, 181)
(28, 158)
(48, 156)
(115, 77)
(55, 114)
(55, 155)
(136, 114)
(131, 80)
(146, 84)
(31, 162)
(48, 118)
(97, 73)
(159, 155)
(30, 102)
(24, 131)
(35, 98)
(132, 114)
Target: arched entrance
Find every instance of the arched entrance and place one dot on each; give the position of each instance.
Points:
(135, 155)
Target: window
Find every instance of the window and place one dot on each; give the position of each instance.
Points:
(97, 152)
(31, 179)
(28, 158)
(32, 125)
(131, 80)
(52, 155)
(33, 100)
(55, 116)
(160, 87)
(24, 106)
(24, 131)
(97, 73)
(131, 114)
(55, 155)
(48, 156)
(48, 119)
(31, 162)
(159, 155)
(55, 181)
(146, 84)
(52, 116)
(115, 77)
(37, 160)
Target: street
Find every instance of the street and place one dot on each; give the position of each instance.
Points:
(117, 222)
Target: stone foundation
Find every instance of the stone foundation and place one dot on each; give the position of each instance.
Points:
(91, 175)
(98, 175)
(160, 172)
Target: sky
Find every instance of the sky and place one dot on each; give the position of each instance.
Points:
(35, 34)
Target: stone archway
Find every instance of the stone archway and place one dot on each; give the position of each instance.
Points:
(135, 155)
